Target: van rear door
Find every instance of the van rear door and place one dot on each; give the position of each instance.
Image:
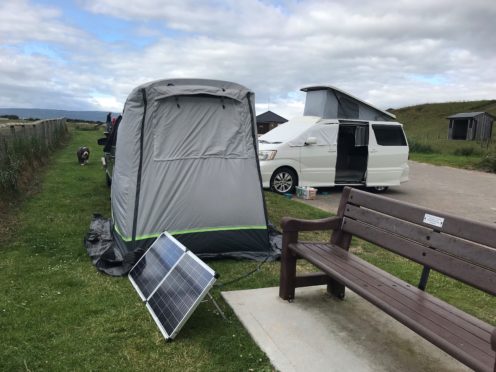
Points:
(388, 154)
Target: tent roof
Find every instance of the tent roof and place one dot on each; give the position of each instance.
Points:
(171, 87)
(332, 88)
(463, 115)
(270, 117)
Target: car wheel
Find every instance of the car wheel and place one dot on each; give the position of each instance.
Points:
(108, 179)
(283, 181)
(379, 189)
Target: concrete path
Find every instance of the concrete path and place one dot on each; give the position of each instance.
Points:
(318, 333)
(466, 193)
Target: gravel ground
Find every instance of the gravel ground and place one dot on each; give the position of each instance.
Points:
(466, 193)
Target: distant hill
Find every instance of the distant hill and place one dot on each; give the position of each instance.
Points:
(428, 121)
(51, 114)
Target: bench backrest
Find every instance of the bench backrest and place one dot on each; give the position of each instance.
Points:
(457, 247)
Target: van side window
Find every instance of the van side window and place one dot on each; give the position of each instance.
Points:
(389, 135)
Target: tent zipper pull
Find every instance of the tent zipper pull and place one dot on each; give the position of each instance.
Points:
(222, 101)
(177, 102)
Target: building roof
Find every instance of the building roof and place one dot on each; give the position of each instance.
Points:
(270, 117)
(463, 115)
(332, 88)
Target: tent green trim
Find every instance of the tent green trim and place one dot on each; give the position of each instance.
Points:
(192, 231)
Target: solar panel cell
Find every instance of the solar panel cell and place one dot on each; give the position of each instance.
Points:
(155, 263)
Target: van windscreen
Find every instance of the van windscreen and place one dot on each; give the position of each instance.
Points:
(389, 135)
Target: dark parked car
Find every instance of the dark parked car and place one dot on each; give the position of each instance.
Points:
(108, 160)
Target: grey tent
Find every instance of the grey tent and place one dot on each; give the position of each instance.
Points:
(187, 162)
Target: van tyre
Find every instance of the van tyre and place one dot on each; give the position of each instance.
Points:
(379, 189)
(283, 181)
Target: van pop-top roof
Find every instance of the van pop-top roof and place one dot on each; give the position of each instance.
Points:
(329, 102)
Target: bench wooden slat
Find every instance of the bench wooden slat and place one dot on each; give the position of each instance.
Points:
(478, 232)
(477, 356)
(466, 272)
(411, 294)
(477, 254)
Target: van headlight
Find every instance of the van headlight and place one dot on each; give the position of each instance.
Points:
(266, 154)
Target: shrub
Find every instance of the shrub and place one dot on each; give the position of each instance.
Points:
(419, 147)
(467, 151)
(87, 127)
(488, 163)
(10, 170)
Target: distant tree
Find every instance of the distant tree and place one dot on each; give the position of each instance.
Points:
(10, 117)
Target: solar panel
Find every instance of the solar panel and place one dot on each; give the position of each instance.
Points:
(172, 281)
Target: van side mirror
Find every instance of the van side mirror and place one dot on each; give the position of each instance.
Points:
(311, 141)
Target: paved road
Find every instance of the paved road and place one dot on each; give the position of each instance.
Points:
(469, 194)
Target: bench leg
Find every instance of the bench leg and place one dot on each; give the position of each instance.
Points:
(335, 289)
(287, 277)
(493, 345)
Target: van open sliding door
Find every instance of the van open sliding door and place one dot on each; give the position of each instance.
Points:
(351, 163)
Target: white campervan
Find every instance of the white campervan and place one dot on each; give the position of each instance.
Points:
(315, 150)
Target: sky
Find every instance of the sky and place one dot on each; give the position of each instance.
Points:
(90, 54)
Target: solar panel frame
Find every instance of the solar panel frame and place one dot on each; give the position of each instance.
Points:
(155, 246)
(208, 278)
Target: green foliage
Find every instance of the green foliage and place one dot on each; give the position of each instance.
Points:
(488, 163)
(467, 151)
(419, 147)
(87, 127)
(21, 153)
(10, 169)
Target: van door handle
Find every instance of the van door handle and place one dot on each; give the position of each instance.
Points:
(332, 151)
(373, 150)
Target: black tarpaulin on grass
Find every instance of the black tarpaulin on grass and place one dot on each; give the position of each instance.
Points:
(103, 250)
(108, 258)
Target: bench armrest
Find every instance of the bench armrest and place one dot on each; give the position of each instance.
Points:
(292, 224)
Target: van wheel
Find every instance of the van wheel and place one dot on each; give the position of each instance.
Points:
(379, 189)
(283, 181)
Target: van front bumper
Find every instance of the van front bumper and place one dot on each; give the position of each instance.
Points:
(266, 170)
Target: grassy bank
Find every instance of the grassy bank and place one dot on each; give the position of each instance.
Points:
(426, 127)
(57, 312)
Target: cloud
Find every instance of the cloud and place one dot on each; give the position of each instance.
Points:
(24, 21)
(391, 53)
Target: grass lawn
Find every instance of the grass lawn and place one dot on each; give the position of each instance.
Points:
(57, 312)
(450, 160)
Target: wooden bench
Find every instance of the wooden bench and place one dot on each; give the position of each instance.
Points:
(459, 248)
